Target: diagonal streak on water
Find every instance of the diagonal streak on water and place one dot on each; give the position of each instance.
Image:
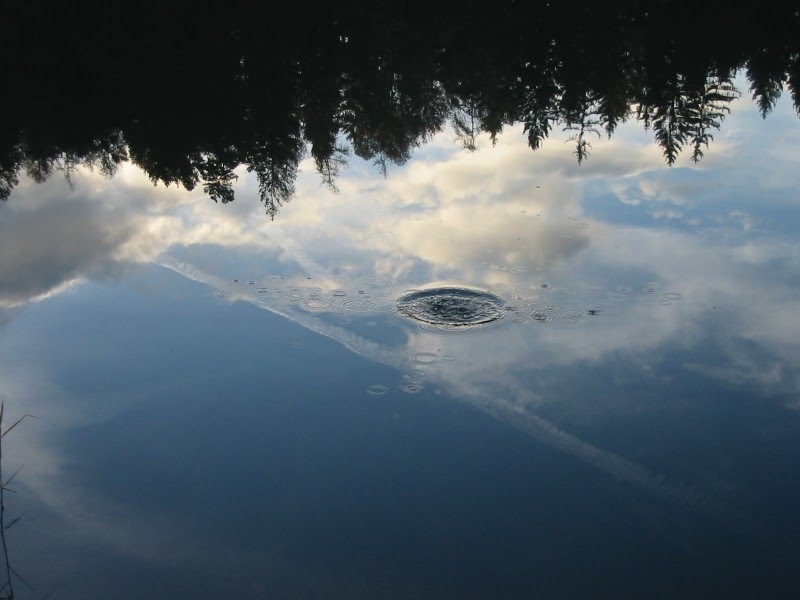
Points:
(511, 412)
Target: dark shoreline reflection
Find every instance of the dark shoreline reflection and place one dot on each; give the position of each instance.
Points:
(191, 96)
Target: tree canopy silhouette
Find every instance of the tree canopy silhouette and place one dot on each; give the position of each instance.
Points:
(190, 95)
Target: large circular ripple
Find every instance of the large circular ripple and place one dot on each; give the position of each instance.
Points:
(451, 306)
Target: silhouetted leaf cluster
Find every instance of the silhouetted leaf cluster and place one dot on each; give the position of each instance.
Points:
(189, 96)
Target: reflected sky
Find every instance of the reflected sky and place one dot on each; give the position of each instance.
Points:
(232, 404)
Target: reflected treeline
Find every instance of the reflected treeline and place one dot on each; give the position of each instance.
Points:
(191, 96)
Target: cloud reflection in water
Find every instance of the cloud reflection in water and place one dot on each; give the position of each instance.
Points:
(721, 295)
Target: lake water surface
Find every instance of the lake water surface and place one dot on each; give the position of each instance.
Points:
(234, 406)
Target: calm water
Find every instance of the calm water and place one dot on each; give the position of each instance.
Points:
(233, 406)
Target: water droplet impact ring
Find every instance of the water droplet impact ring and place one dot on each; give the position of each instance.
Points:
(451, 306)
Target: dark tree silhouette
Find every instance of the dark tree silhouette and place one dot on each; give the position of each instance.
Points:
(190, 96)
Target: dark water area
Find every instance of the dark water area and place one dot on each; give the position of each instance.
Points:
(520, 319)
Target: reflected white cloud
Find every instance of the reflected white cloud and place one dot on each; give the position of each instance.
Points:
(53, 235)
(43, 250)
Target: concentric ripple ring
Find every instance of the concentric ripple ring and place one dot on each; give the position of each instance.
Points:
(451, 306)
